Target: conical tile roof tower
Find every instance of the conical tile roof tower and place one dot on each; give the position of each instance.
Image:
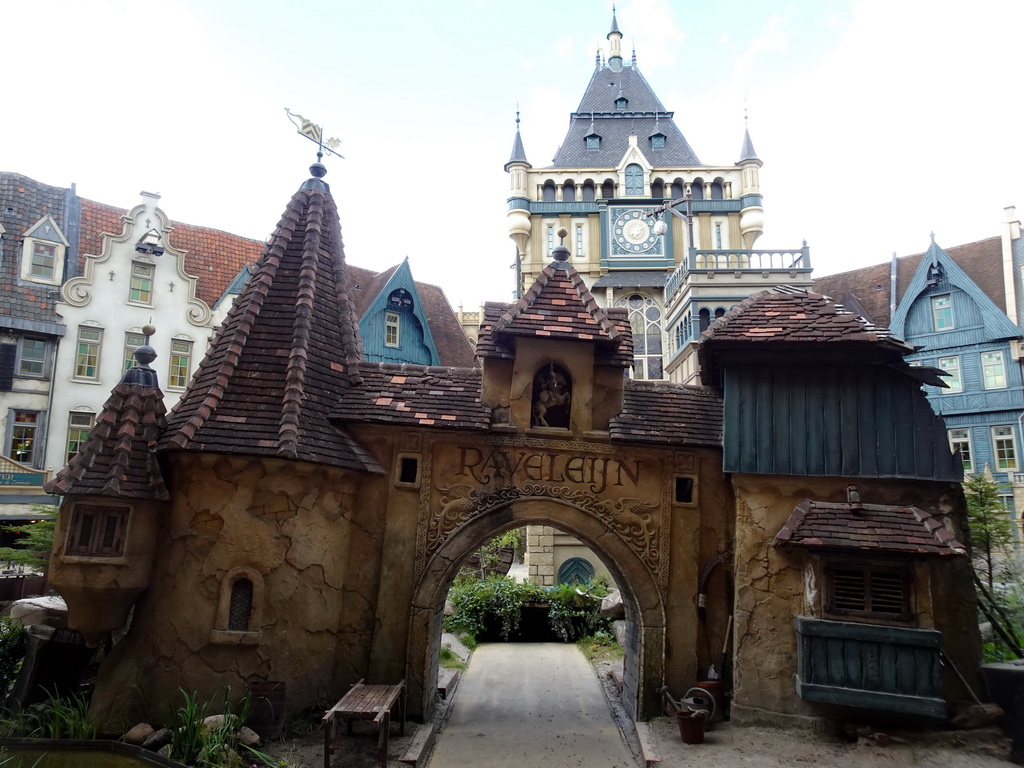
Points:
(287, 352)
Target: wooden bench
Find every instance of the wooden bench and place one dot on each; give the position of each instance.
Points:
(365, 702)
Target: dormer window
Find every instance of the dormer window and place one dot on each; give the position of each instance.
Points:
(658, 141)
(621, 103)
(593, 141)
(392, 329)
(43, 249)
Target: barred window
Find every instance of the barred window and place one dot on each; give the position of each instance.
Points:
(871, 591)
(240, 607)
(98, 531)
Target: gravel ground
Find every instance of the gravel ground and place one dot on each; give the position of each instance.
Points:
(726, 746)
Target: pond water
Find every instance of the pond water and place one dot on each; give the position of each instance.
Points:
(61, 758)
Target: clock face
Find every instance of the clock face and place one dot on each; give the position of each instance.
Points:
(632, 233)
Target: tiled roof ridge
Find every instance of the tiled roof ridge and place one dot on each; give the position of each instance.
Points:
(942, 540)
(117, 458)
(547, 275)
(828, 306)
(370, 365)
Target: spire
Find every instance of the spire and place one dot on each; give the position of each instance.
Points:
(287, 352)
(118, 459)
(747, 153)
(597, 58)
(518, 152)
(634, 56)
(615, 45)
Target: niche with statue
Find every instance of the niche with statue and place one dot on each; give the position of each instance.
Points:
(552, 397)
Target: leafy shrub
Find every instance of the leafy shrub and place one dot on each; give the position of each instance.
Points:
(573, 615)
(12, 653)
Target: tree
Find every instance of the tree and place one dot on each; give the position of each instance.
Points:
(34, 546)
(991, 553)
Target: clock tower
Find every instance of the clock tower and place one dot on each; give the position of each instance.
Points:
(622, 158)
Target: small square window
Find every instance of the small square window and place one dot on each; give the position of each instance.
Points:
(33, 357)
(409, 469)
(881, 592)
(593, 142)
(97, 531)
(44, 261)
(657, 141)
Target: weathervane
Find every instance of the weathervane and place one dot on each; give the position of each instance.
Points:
(315, 133)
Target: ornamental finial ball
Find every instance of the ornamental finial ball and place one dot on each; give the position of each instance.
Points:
(562, 232)
(148, 329)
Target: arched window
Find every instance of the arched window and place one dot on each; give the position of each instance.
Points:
(569, 192)
(548, 193)
(705, 319)
(645, 321)
(697, 189)
(677, 190)
(657, 188)
(716, 189)
(240, 607)
(589, 194)
(634, 179)
(575, 570)
(608, 188)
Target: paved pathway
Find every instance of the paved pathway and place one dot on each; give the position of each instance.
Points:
(524, 705)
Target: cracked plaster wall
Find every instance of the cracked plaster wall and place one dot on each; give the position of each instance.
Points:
(295, 524)
(772, 587)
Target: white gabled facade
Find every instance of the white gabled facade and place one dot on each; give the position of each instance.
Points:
(138, 278)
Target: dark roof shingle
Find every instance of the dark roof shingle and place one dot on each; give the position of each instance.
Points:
(668, 414)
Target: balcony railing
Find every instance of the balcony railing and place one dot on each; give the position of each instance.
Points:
(736, 260)
(892, 669)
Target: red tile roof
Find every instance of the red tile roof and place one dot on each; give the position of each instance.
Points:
(212, 256)
(416, 395)
(558, 305)
(981, 260)
(286, 353)
(873, 527)
(118, 457)
(668, 414)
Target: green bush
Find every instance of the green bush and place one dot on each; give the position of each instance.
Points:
(571, 615)
(12, 653)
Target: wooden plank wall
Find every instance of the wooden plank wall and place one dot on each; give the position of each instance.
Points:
(832, 420)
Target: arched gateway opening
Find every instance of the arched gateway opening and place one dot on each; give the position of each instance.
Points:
(645, 612)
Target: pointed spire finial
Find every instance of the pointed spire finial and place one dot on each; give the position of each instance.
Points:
(932, 236)
(634, 55)
(597, 58)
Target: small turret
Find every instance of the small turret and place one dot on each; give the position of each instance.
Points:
(751, 212)
(519, 202)
(615, 45)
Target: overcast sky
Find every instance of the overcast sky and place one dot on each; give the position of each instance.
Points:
(878, 121)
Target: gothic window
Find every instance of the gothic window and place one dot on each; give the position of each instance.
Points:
(645, 320)
(634, 179)
(240, 605)
(552, 397)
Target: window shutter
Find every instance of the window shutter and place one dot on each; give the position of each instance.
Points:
(8, 355)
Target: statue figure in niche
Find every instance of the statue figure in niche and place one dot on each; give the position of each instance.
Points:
(552, 394)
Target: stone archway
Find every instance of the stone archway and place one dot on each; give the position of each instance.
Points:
(645, 611)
